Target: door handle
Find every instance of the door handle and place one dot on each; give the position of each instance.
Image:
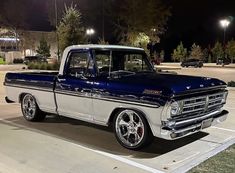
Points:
(61, 80)
(86, 91)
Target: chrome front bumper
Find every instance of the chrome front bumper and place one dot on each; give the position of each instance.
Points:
(201, 123)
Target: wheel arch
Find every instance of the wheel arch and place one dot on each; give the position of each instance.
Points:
(21, 96)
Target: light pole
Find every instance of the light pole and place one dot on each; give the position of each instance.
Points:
(224, 23)
(56, 25)
(90, 32)
(103, 20)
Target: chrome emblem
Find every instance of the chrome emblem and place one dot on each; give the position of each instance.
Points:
(152, 92)
(188, 87)
(201, 85)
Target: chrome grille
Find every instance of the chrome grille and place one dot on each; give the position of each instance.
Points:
(200, 105)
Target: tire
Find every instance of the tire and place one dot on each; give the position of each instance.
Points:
(131, 129)
(30, 109)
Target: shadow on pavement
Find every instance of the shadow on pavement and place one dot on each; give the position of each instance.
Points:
(98, 137)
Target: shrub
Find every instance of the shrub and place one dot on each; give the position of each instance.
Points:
(56, 65)
(2, 61)
(231, 84)
(18, 61)
(43, 66)
(49, 67)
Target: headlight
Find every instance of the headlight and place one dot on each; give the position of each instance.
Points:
(225, 97)
(175, 108)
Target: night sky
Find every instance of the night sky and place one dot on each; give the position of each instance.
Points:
(191, 21)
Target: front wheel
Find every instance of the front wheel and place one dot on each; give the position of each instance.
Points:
(30, 109)
(131, 129)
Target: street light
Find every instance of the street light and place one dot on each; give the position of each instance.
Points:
(56, 25)
(224, 23)
(90, 32)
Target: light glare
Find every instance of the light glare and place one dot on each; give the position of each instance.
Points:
(224, 23)
(90, 31)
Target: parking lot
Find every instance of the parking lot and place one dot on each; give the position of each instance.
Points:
(61, 144)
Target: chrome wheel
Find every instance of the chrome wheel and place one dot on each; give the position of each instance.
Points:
(29, 106)
(129, 128)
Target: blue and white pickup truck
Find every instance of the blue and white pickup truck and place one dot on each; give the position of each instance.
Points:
(103, 84)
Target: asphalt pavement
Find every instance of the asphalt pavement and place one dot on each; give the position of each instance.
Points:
(62, 144)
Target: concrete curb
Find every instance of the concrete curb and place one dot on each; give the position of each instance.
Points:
(231, 88)
(204, 157)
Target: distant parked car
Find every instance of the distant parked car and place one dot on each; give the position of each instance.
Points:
(192, 62)
(136, 61)
(34, 59)
(223, 61)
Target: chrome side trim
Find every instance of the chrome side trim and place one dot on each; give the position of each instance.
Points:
(88, 95)
(106, 98)
(30, 87)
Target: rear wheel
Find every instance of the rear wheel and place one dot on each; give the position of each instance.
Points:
(30, 109)
(131, 129)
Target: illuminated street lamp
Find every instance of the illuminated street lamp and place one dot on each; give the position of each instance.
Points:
(90, 32)
(224, 23)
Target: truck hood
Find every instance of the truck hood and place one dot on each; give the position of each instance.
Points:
(167, 84)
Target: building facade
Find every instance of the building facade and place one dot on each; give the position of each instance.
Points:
(26, 42)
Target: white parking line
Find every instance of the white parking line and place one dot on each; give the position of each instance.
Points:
(228, 108)
(124, 160)
(115, 157)
(229, 130)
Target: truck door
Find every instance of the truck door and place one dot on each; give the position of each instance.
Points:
(74, 88)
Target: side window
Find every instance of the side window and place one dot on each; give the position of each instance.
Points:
(103, 61)
(79, 65)
(135, 62)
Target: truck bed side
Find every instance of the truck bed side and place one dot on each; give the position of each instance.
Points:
(40, 85)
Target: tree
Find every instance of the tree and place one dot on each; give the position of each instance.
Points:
(217, 51)
(196, 52)
(230, 50)
(209, 59)
(138, 16)
(180, 53)
(206, 55)
(43, 48)
(70, 30)
(162, 55)
(55, 9)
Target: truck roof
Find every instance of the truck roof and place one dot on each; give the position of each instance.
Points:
(91, 46)
(95, 46)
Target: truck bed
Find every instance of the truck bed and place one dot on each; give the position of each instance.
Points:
(42, 80)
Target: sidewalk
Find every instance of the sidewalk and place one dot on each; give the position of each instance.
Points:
(13, 67)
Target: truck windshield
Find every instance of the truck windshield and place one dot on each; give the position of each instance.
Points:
(122, 62)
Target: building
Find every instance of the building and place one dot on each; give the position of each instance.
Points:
(25, 42)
